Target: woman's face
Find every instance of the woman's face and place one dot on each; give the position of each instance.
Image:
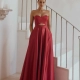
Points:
(41, 3)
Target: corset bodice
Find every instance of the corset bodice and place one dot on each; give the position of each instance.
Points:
(41, 20)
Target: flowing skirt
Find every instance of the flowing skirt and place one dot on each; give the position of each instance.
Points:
(38, 63)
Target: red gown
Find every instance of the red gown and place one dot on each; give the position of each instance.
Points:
(38, 62)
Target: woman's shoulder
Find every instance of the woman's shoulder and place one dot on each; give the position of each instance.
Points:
(33, 11)
(47, 11)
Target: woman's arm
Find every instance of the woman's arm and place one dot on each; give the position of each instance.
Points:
(49, 21)
(31, 21)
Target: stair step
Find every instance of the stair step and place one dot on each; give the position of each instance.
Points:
(61, 74)
(59, 71)
(55, 62)
(69, 64)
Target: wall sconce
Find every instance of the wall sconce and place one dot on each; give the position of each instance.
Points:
(3, 13)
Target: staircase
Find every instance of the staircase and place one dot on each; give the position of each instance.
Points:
(59, 71)
(66, 44)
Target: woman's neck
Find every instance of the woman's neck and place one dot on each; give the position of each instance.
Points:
(40, 8)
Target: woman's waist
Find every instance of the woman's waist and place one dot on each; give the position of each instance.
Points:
(41, 26)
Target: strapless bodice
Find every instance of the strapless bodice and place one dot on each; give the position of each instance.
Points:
(41, 20)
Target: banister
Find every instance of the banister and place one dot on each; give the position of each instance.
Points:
(64, 18)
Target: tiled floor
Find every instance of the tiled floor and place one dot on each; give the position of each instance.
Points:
(13, 77)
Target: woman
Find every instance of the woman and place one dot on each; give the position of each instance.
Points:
(38, 63)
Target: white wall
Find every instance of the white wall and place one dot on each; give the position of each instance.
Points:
(8, 41)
